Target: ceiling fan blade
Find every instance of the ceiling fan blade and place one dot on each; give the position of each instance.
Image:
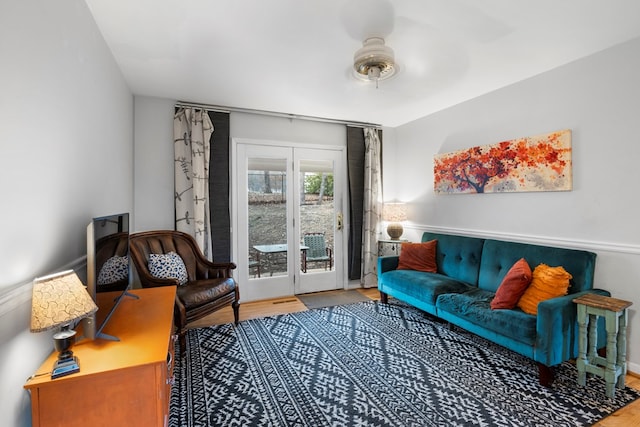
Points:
(457, 18)
(423, 51)
(364, 19)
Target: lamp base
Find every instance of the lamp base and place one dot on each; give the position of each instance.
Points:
(395, 230)
(65, 366)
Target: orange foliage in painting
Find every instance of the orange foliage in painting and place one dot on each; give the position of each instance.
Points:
(475, 168)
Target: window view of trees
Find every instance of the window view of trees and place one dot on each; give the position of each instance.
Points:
(320, 184)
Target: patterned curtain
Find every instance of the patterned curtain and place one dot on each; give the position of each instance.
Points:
(192, 131)
(372, 207)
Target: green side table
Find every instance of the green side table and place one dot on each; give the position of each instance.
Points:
(613, 368)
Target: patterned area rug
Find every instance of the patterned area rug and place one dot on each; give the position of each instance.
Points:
(370, 364)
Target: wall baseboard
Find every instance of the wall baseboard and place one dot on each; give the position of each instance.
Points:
(528, 238)
(17, 295)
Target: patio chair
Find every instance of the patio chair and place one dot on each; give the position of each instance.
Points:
(318, 251)
(254, 265)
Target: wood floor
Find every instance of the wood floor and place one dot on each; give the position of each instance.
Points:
(625, 417)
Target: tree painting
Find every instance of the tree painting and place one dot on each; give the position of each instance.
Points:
(536, 163)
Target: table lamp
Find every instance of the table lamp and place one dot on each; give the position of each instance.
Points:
(394, 213)
(59, 300)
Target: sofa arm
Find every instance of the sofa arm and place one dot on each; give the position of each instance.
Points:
(556, 330)
(387, 263)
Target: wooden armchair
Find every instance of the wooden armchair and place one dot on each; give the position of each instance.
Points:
(208, 286)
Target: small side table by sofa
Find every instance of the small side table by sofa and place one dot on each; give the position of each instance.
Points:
(613, 368)
(388, 247)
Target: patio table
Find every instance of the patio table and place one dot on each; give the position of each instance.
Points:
(272, 254)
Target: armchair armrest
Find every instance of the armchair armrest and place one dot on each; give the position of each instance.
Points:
(211, 270)
(556, 330)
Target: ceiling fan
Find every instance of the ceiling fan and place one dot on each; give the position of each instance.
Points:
(374, 61)
(371, 21)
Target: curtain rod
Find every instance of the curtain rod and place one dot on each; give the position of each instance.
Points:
(223, 109)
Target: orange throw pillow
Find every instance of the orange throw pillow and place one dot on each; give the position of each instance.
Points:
(419, 257)
(513, 286)
(548, 282)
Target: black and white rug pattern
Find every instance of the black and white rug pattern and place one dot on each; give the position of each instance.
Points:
(370, 364)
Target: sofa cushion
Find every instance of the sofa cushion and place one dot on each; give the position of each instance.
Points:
(548, 282)
(513, 286)
(473, 306)
(498, 257)
(421, 285)
(457, 256)
(419, 257)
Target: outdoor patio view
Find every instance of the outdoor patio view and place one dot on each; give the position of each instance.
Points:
(268, 223)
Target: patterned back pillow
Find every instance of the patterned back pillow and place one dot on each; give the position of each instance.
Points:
(168, 266)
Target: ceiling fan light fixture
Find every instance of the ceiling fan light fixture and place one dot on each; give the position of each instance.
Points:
(374, 73)
(374, 61)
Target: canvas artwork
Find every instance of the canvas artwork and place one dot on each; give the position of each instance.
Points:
(535, 163)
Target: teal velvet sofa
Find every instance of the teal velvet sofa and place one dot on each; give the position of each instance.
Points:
(469, 272)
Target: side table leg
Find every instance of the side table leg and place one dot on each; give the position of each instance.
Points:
(622, 348)
(592, 341)
(612, 352)
(581, 362)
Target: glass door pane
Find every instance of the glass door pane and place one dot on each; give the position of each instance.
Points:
(319, 206)
(267, 207)
(264, 218)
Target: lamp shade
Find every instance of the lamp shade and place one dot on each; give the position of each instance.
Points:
(59, 299)
(394, 212)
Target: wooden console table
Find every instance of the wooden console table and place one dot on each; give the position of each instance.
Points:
(126, 382)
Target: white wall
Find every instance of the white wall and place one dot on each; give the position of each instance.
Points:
(597, 98)
(154, 209)
(254, 126)
(66, 144)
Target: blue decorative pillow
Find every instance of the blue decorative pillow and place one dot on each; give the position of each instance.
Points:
(168, 266)
(114, 270)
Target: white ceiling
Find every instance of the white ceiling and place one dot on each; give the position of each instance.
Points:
(295, 56)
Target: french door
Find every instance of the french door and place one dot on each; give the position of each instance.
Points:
(288, 227)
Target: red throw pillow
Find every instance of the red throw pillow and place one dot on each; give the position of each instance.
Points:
(418, 256)
(513, 285)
